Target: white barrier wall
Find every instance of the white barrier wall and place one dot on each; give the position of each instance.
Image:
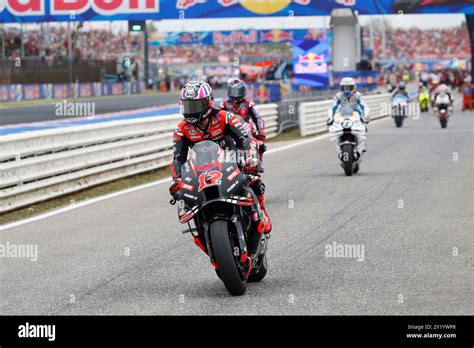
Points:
(40, 165)
(313, 115)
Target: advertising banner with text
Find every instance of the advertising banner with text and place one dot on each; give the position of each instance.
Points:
(91, 10)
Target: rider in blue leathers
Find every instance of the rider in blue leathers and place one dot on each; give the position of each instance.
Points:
(349, 95)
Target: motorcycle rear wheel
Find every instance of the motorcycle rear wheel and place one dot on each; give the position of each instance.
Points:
(225, 259)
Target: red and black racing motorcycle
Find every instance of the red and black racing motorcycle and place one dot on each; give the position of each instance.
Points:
(215, 196)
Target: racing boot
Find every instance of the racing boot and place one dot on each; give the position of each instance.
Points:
(268, 223)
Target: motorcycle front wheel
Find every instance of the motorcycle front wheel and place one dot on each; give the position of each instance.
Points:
(399, 121)
(226, 262)
(347, 159)
(443, 121)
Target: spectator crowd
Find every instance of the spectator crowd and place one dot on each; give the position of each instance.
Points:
(415, 43)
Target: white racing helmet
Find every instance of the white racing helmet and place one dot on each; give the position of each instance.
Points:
(348, 86)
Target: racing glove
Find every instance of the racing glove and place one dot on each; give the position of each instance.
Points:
(260, 136)
(175, 186)
(251, 166)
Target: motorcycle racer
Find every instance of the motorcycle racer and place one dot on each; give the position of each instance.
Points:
(237, 103)
(401, 89)
(442, 88)
(349, 96)
(202, 121)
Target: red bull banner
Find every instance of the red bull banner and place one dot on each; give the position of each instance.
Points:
(262, 93)
(34, 11)
(311, 63)
(237, 37)
(218, 70)
(364, 79)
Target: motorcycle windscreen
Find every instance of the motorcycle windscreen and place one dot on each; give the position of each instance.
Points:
(400, 100)
(347, 111)
(442, 99)
(205, 153)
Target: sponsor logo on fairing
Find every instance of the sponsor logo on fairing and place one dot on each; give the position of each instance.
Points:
(231, 176)
(233, 185)
(187, 195)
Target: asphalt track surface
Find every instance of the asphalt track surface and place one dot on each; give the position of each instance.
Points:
(409, 266)
(103, 105)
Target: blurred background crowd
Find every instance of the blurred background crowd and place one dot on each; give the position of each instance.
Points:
(120, 53)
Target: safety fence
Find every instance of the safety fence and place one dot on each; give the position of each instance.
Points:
(40, 165)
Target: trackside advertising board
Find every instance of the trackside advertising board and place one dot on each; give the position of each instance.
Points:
(311, 63)
(92, 10)
(236, 37)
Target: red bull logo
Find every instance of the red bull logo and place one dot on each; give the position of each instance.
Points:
(261, 94)
(276, 36)
(311, 58)
(234, 37)
(346, 2)
(256, 6)
(311, 63)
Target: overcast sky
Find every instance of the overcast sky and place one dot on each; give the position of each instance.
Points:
(405, 21)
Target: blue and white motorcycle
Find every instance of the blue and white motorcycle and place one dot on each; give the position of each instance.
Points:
(349, 134)
(399, 109)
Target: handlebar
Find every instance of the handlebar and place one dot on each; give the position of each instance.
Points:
(176, 197)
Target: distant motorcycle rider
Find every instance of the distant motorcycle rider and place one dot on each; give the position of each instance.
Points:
(349, 96)
(202, 121)
(401, 90)
(442, 88)
(239, 104)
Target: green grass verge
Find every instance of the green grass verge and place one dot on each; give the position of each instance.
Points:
(292, 134)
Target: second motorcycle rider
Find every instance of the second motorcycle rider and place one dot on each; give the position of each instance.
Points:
(237, 103)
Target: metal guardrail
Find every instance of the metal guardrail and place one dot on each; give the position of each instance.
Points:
(288, 108)
(40, 165)
(313, 116)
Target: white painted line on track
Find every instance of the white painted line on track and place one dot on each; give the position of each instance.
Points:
(141, 187)
(81, 204)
